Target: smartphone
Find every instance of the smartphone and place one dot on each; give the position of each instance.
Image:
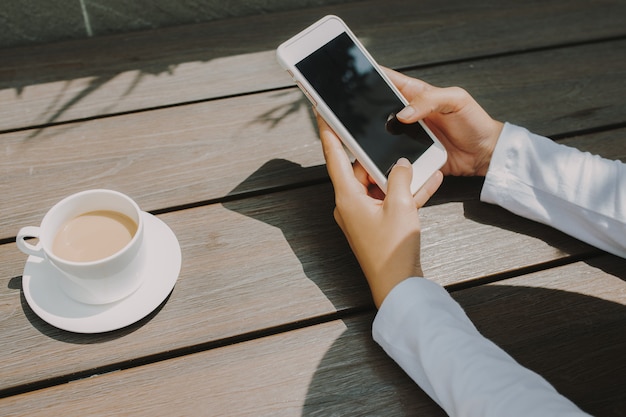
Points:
(355, 97)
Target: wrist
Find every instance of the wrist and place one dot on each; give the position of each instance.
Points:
(381, 287)
(482, 166)
(380, 292)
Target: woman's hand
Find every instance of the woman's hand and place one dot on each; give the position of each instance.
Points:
(384, 234)
(467, 132)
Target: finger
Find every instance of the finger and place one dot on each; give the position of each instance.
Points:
(338, 218)
(433, 100)
(415, 91)
(399, 183)
(361, 174)
(373, 190)
(337, 162)
(408, 86)
(428, 189)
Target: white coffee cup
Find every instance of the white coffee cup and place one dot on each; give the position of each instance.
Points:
(99, 281)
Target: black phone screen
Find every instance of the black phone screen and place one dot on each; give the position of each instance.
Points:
(363, 102)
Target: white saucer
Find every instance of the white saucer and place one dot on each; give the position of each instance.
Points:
(48, 301)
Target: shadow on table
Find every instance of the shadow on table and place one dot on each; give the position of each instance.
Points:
(303, 211)
(576, 341)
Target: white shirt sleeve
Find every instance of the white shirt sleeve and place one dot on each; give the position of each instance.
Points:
(575, 192)
(428, 334)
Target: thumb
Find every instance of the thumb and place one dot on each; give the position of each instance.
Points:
(399, 182)
(433, 100)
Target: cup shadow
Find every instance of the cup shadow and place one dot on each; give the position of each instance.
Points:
(77, 338)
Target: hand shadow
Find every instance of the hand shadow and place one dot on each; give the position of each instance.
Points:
(579, 344)
(305, 217)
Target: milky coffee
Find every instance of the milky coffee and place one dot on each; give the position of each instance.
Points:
(93, 236)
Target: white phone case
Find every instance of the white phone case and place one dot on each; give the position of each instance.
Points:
(299, 47)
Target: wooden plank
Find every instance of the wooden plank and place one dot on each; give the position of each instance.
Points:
(263, 262)
(567, 323)
(548, 92)
(82, 79)
(291, 262)
(205, 151)
(283, 375)
(162, 158)
(609, 144)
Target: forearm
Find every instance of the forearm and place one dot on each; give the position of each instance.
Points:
(578, 193)
(427, 333)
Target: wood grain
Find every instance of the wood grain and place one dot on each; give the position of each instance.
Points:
(271, 314)
(568, 324)
(335, 368)
(202, 151)
(54, 83)
(275, 373)
(264, 262)
(548, 92)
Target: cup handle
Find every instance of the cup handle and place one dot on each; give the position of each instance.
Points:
(24, 246)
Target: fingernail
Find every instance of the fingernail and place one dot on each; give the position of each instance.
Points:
(404, 162)
(406, 112)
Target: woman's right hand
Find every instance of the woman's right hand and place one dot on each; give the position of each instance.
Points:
(465, 129)
(384, 234)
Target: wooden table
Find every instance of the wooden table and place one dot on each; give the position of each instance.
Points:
(270, 314)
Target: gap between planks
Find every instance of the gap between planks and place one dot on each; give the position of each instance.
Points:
(275, 330)
(286, 87)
